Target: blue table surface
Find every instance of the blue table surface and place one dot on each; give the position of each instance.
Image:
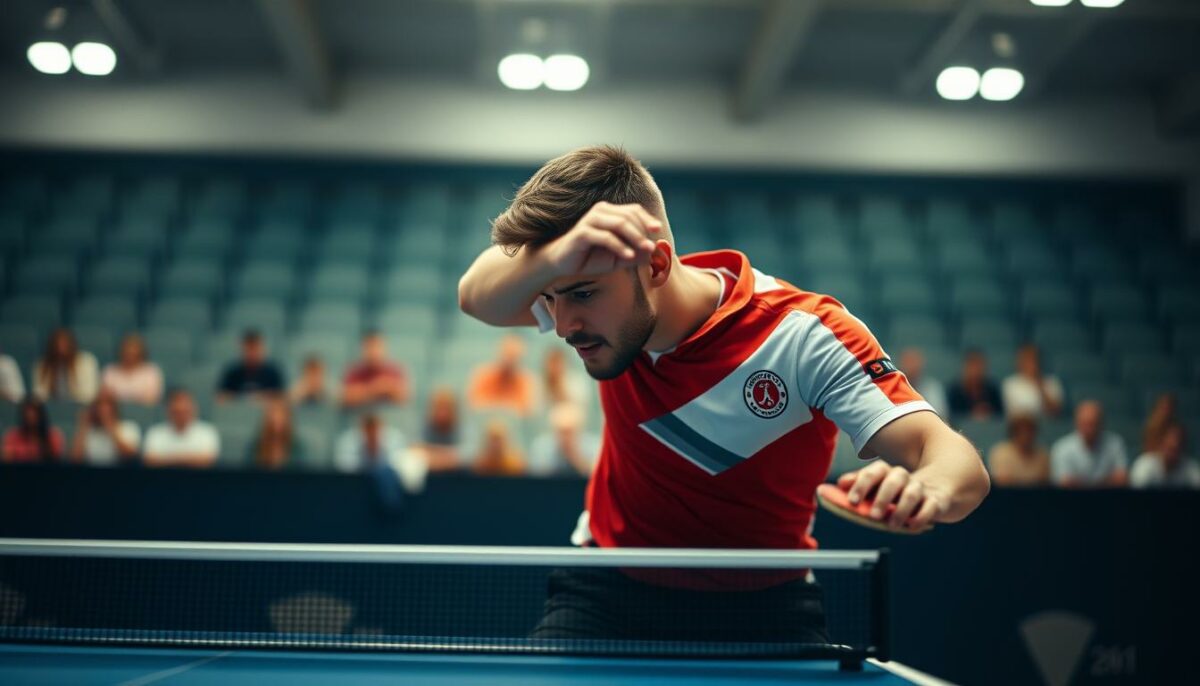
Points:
(30, 664)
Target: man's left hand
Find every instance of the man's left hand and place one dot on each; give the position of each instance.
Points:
(918, 503)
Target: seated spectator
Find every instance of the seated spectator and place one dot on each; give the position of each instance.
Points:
(1164, 413)
(183, 440)
(566, 448)
(1029, 391)
(912, 363)
(310, 388)
(102, 438)
(65, 372)
(562, 384)
(498, 455)
(33, 439)
(1166, 467)
(440, 437)
(504, 384)
(276, 446)
(133, 378)
(374, 378)
(1089, 455)
(367, 444)
(12, 386)
(974, 395)
(1020, 460)
(253, 374)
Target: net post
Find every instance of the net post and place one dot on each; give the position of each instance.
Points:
(881, 600)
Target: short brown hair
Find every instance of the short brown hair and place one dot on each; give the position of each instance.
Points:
(556, 197)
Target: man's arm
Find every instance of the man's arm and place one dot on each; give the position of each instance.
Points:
(928, 470)
(499, 289)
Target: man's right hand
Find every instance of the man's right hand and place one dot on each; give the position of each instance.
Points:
(607, 237)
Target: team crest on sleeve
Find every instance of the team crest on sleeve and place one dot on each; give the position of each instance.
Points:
(765, 394)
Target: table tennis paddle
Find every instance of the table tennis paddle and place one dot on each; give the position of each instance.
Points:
(837, 501)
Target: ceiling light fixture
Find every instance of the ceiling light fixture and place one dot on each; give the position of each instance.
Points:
(958, 83)
(522, 71)
(566, 72)
(1000, 84)
(49, 57)
(94, 59)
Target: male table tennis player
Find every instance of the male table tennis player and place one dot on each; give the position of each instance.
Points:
(723, 390)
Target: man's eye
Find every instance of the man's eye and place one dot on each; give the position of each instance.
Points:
(582, 295)
(549, 298)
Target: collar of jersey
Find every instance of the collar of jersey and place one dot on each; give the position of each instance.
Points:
(728, 261)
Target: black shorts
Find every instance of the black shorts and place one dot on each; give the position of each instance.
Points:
(607, 604)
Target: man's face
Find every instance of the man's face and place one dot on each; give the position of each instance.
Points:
(373, 350)
(253, 352)
(606, 318)
(1089, 421)
(974, 368)
(181, 410)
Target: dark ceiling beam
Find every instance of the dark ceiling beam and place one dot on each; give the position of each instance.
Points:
(1039, 73)
(937, 55)
(145, 57)
(1178, 109)
(294, 26)
(781, 34)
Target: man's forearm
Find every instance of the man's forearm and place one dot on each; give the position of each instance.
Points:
(499, 289)
(950, 463)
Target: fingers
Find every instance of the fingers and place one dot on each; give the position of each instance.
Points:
(889, 489)
(912, 497)
(925, 515)
(625, 228)
(607, 240)
(866, 480)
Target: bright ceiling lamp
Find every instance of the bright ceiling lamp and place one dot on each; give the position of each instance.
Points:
(522, 71)
(1050, 3)
(49, 57)
(999, 83)
(94, 59)
(958, 83)
(566, 72)
(1101, 3)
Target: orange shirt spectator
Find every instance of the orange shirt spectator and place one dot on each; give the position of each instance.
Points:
(504, 385)
(499, 456)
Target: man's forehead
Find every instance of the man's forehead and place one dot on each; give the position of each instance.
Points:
(574, 281)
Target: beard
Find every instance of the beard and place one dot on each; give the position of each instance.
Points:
(631, 337)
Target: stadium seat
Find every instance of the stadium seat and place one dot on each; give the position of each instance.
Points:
(266, 279)
(1179, 304)
(91, 193)
(210, 238)
(219, 198)
(987, 332)
(173, 349)
(1061, 335)
(916, 331)
(907, 296)
(948, 218)
(827, 254)
(357, 202)
(959, 257)
(42, 312)
(979, 295)
(399, 320)
(123, 277)
(45, 276)
(348, 243)
(118, 314)
(884, 216)
(817, 216)
(894, 255)
(99, 340)
(1098, 262)
(1117, 399)
(416, 285)
(1185, 340)
(20, 339)
(182, 313)
(332, 316)
(1047, 299)
(426, 204)
(1075, 368)
(140, 236)
(1030, 259)
(1142, 370)
(1012, 220)
(266, 315)
(345, 282)
(288, 200)
(13, 227)
(157, 194)
(278, 241)
(983, 433)
(1129, 337)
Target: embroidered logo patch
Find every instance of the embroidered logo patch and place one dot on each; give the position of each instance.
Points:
(765, 393)
(881, 367)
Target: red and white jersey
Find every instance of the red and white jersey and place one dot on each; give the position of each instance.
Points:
(722, 441)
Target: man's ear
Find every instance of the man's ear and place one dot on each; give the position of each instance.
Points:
(661, 261)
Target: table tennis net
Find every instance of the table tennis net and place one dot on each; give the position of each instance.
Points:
(748, 604)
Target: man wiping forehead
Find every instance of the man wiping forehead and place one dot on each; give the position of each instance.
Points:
(723, 388)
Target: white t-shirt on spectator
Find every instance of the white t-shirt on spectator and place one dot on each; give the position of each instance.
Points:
(12, 387)
(1072, 460)
(142, 384)
(99, 450)
(165, 443)
(1149, 472)
(349, 453)
(1022, 396)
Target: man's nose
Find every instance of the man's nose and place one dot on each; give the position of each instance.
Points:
(565, 322)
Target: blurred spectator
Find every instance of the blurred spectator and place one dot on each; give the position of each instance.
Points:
(133, 378)
(1089, 455)
(1029, 391)
(374, 378)
(912, 363)
(561, 383)
(65, 372)
(566, 448)
(504, 384)
(1167, 466)
(1164, 413)
(974, 395)
(32, 439)
(1020, 460)
(102, 438)
(253, 374)
(12, 386)
(310, 388)
(498, 455)
(183, 440)
(276, 446)
(368, 444)
(441, 436)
